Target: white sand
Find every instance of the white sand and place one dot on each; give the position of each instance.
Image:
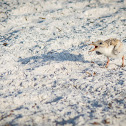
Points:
(47, 76)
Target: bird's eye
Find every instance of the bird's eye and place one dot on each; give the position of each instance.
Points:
(100, 43)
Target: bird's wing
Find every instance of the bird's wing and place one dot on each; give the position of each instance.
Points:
(118, 48)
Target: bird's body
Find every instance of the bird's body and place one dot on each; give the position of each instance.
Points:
(111, 48)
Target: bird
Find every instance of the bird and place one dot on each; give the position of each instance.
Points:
(111, 48)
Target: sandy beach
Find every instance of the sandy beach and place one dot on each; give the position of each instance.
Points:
(48, 77)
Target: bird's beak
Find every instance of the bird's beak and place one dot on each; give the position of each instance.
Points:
(93, 48)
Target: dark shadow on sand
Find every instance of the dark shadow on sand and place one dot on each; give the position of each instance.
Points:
(54, 56)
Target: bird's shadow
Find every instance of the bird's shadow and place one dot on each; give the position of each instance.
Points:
(54, 56)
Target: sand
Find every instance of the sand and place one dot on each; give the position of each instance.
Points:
(47, 75)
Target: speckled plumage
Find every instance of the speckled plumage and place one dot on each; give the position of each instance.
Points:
(110, 48)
